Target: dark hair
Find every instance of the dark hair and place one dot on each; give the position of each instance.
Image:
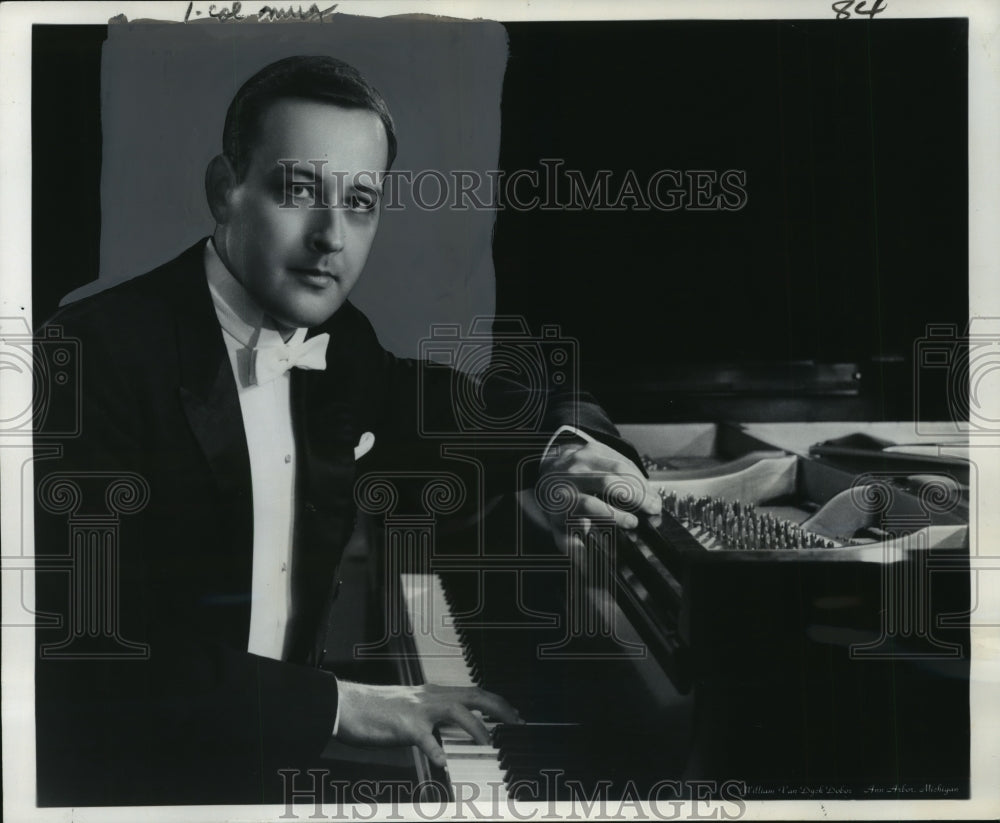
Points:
(320, 78)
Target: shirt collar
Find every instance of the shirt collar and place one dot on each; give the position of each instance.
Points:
(239, 314)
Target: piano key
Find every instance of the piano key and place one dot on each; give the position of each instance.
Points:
(443, 662)
(464, 656)
(474, 750)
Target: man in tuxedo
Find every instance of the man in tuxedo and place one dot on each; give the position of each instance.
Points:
(229, 393)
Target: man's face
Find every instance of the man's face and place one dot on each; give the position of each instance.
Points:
(296, 256)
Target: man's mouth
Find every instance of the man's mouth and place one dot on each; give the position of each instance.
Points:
(315, 276)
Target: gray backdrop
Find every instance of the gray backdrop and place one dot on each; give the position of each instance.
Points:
(165, 89)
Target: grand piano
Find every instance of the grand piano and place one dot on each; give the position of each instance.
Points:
(700, 650)
(794, 624)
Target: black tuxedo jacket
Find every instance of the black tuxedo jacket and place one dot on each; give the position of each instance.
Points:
(165, 705)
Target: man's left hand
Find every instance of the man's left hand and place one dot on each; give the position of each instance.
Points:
(603, 484)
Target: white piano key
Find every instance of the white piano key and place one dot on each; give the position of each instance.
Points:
(437, 643)
(457, 733)
(475, 750)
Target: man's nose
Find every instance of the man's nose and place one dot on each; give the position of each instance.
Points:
(327, 229)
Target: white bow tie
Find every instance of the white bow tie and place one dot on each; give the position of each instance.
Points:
(273, 361)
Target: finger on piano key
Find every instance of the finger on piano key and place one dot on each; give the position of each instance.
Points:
(450, 732)
(473, 750)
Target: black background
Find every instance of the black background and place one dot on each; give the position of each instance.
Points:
(853, 137)
(66, 161)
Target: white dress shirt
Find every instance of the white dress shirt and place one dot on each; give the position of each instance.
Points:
(267, 420)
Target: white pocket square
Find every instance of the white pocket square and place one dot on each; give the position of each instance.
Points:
(364, 446)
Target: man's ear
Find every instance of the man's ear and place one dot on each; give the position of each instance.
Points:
(220, 180)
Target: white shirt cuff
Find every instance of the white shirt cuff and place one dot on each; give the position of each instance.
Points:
(566, 430)
(336, 719)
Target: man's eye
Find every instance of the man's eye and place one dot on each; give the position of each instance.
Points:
(298, 190)
(362, 201)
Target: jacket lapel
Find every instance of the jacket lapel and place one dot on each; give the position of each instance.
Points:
(208, 392)
(325, 437)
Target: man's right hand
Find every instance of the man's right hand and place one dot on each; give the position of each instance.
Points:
(407, 715)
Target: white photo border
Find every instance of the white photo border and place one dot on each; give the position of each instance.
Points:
(16, 20)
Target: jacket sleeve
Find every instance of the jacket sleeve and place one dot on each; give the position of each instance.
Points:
(503, 415)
